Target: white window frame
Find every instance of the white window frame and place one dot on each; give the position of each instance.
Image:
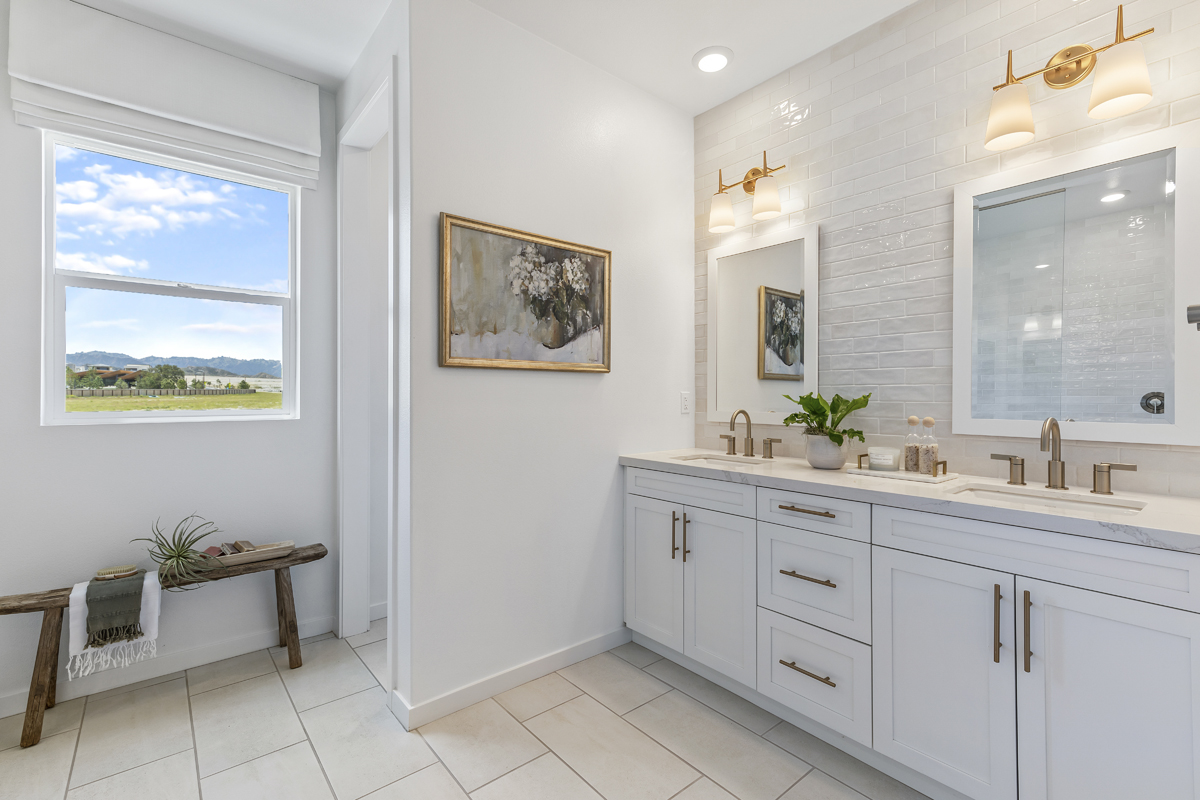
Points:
(56, 281)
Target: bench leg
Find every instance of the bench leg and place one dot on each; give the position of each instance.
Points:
(45, 665)
(287, 611)
(279, 612)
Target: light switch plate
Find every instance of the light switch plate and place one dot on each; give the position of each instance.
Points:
(685, 402)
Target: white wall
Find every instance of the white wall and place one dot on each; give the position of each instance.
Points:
(53, 480)
(876, 131)
(516, 514)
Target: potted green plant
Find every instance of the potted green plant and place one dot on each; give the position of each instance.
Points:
(827, 440)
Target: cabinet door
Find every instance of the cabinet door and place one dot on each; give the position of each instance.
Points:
(944, 693)
(1110, 706)
(719, 593)
(654, 569)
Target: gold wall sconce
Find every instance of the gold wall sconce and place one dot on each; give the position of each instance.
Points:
(1121, 86)
(759, 184)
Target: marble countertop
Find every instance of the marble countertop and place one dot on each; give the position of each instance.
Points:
(1167, 522)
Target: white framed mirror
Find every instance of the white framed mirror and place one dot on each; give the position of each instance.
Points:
(1072, 282)
(762, 325)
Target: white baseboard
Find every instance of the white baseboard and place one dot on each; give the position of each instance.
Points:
(378, 611)
(909, 777)
(165, 664)
(423, 713)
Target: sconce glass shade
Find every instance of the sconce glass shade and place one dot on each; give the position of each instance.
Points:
(1120, 82)
(766, 197)
(1010, 123)
(720, 214)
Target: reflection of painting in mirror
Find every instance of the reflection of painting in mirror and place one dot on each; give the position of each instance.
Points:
(780, 335)
(1073, 286)
(517, 300)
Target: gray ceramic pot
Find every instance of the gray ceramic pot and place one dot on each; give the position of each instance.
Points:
(824, 454)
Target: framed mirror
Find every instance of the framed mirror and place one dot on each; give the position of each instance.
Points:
(1072, 281)
(762, 325)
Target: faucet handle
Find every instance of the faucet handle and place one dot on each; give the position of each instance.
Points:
(1016, 468)
(767, 444)
(1102, 476)
(1106, 465)
(731, 450)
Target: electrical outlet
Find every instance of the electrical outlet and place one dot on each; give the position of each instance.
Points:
(685, 402)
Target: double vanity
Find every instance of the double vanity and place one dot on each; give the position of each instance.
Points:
(1003, 641)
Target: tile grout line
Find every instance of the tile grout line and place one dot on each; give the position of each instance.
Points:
(550, 749)
(811, 769)
(187, 688)
(436, 755)
(75, 752)
(131, 769)
(227, 685)
(303, 727)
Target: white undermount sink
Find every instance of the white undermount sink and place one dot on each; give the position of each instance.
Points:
(721, 462)
(1069, 500)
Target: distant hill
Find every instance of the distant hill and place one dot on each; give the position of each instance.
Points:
(220, 366)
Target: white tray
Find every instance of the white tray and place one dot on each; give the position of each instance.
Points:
(901, 475)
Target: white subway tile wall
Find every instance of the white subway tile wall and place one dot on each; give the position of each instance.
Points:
(875, 132)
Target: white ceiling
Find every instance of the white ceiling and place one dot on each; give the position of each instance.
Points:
(650, 43)
(316, 40)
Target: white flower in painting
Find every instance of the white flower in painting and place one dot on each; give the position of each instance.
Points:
(575, 274)
(778, 312)
(794, 321)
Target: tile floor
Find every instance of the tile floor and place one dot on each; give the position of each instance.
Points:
(624, 725)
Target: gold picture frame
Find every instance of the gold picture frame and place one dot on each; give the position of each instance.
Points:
(764, 334)
(506, 303)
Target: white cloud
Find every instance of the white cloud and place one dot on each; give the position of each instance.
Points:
(229, 327)
(67, 235)
(104, 265)
(76, 190)
(117, 203)
(123, 324)
(64, 153)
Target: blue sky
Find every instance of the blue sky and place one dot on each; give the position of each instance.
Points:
(120, 217)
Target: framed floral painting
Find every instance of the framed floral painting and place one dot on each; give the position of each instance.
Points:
(780, 335)
(516, 300)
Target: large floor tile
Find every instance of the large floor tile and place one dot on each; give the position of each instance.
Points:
(291, 773)
(614, 682)
(481, 743)
(331, 671)
(127, 730)
(431, 783)
(819, 786)
(362, 745)
(374, 655)
(615, 758)
(704, 789)
(39, 772)
(231, 670)
(63, 717)
(726, 702)
(377, 631)
(530, 699)
(240, 722)
(635, 654)
(845, 768)
(170, 778)
(132, 687)
(545, 778)
(743, 763)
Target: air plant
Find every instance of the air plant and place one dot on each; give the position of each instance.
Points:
(178, 560)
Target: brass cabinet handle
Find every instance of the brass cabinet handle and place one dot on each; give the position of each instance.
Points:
(802, 671)
(808, 511)
(674, 548)
(996, 645)
(817, 581)
(1028, 652)
(685, 547)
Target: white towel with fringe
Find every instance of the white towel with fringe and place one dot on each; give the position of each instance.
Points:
(85, 660)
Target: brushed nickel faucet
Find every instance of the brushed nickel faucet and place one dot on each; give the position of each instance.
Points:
(748, 450)
(1052, 442)
(1102, 476)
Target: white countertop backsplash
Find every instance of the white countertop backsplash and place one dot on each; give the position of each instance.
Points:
(1169, 522)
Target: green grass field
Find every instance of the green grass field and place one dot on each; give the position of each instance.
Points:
(176, 403)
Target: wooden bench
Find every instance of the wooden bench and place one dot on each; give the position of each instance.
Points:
(43, 687)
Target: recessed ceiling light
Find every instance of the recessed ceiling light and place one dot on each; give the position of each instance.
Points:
(1041, 266)
(712, 59)
(1112, 198)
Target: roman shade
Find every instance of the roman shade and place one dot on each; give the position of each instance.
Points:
(80, 71)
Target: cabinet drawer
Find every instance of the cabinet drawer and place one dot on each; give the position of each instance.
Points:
(796, 568)
(1166, 577)
(730, 498)
(839, 696)
(812, 512)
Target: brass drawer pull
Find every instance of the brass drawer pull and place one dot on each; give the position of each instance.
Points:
(802, 671)
(996, 645)
(1028, 651)
(808, 511)
(817, 581)
(685, 547)
(674, 547)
